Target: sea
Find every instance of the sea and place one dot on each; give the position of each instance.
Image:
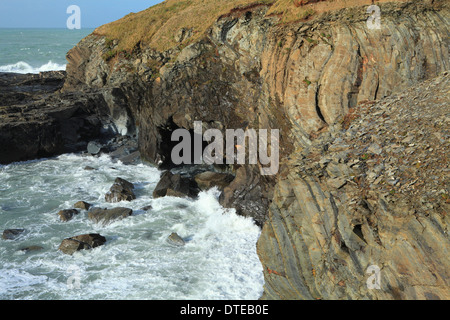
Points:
(35, 50)
(218, 261)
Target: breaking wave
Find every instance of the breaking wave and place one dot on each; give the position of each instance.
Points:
(24, 67)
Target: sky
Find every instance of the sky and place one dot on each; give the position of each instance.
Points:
(53, 13)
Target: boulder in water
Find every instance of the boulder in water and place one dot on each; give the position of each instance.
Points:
(11, 234)
(94, 148)
(175, 239)
(81, 242)
(121, 190)
(82, 205)
(106, 216)
(67, 214)
(31, 248)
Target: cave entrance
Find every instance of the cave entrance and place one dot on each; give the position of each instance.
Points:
(166, 145)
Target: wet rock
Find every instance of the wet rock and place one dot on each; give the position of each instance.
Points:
(82, 205)
(210, 179)
(37, 120)
(81, 242)
(131, 158)
(67, 214)
(147, 208)
(176, 186)
(121, 190)
(94, 148)
(107, 216)
(31, 249)
(11, 234)
(248, 193)
(175, 239)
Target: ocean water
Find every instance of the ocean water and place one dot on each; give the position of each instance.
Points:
(218, 261)
(36, 50)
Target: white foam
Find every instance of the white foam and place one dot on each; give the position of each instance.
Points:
(24, 67)
(219, 260)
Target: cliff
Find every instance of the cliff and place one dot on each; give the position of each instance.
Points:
(351, 191)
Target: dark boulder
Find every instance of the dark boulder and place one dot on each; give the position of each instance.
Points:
(31, 249)
(176, 186)
(67, 214)
(81, 242)
(121, 190)
(11, 234)
(209, 179)
(249, 193)
(147, 208)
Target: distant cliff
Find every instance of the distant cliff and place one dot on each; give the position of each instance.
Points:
(313, 74)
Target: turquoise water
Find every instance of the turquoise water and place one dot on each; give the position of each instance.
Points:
(35, 50)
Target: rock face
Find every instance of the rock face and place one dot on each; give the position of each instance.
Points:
(175, 185)
(121, 190)
(37, 121)
(207, 180)
(81, 242)
(336, 207)
(107, 216)
(321, 239)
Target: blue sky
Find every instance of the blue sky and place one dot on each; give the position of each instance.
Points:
(52, 13)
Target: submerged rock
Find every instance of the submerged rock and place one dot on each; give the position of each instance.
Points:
(81, 242)
(31, 248)
(67, 214)
(11, 234)
(121, 190)
(107, 216)
(175, 239)
(147, 208)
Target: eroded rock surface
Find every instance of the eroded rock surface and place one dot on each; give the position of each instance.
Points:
(391, 209)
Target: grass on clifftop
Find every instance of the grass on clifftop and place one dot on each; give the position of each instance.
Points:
(158, 25)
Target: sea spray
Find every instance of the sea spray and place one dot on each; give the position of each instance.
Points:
(218, 260)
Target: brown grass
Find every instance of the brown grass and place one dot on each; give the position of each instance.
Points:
(157, 25)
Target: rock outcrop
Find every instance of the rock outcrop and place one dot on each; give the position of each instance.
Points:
(175, 185)
(389, 210)
(209, 179)
(82, 242)
(121, 190)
